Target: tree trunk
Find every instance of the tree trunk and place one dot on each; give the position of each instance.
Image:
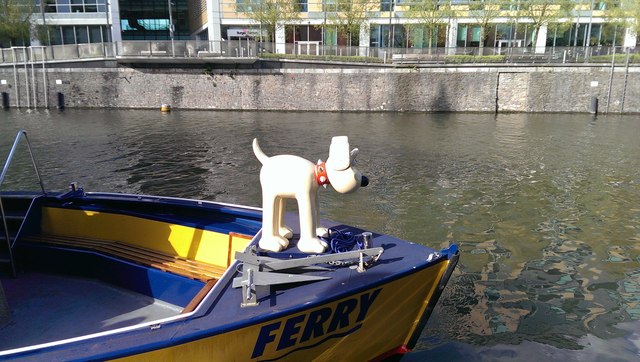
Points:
(536, 32)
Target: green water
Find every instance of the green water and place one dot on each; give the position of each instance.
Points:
(545, 208)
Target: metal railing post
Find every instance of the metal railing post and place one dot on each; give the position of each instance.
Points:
(45, 91)
(26, 76)
(33, 78)
(15, 77)
(10, 245)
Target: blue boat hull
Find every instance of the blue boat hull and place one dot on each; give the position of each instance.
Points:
(180, 254)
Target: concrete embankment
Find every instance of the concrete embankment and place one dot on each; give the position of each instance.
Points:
(303, 86)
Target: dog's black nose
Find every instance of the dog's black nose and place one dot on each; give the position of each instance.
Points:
(365, 181)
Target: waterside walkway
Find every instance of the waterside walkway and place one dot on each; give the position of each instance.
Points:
(247, 51)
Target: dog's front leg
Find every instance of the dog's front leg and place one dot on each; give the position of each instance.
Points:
(321, 232)
(309, 242)
(271, 240)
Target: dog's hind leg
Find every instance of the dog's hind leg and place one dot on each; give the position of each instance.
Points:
(270, 239)
(283, 230)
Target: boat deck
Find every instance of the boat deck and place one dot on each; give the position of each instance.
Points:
(97, 283)
(47, 307)
(338, 305)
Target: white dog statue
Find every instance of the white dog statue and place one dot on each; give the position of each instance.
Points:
(287, 176)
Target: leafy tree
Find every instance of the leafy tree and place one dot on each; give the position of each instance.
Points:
(428, 15)
(348, 17)
(558, 28)
(272, 14)
(484, 12)
(626, 13)
(544, 12)
(43, 34)
(613, 29)
(15, 24)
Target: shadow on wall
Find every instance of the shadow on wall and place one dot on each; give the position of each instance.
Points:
(441, 101)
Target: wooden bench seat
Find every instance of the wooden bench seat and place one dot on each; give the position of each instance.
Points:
(189, 268)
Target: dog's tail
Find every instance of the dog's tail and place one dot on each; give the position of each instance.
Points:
(258, 152)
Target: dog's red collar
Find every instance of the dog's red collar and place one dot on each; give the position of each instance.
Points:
(321, 174)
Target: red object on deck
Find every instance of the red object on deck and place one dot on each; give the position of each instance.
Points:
(394, 352)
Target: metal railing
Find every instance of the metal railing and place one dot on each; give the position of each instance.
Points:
(21, 134)
(306, 50)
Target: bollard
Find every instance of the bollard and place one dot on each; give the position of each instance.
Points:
(60, 100)
(594, 105)
(367, 243)
(5, 100)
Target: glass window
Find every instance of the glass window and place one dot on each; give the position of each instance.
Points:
(105, 33)
(55, 34)
(462, 32)
(330, 36)
(76, 6)
(504, 31)
(49, 6)
(423, 37)
(63, 6)
(329, 5)
(82, 36)
(244, 6)
(302, 6)
(90, 6)
(95, 34)
(145, 19)
(68, 35)
(475, 33)
(374, 36)
(579, 34)
(386, 5)
(380, 36)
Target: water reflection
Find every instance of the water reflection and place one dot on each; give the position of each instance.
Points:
(591, 349)
(544, 207)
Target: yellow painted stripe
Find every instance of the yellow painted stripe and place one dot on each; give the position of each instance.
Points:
(237, 242)
(436, 277)
(183, 241)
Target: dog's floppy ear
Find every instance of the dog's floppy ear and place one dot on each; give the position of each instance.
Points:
(339, 157)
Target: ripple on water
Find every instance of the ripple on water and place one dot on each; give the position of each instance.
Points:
(544, 206)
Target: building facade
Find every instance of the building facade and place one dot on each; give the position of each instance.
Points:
(451, 24)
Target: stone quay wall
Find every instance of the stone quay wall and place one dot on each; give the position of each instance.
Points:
(314, 87)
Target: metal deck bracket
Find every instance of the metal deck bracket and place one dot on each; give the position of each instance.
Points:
(263, 272)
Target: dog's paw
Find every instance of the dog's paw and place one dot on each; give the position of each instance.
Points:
(285, 232)
(273, 243)
(322, 232)
(312, 246)
(284, 242)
